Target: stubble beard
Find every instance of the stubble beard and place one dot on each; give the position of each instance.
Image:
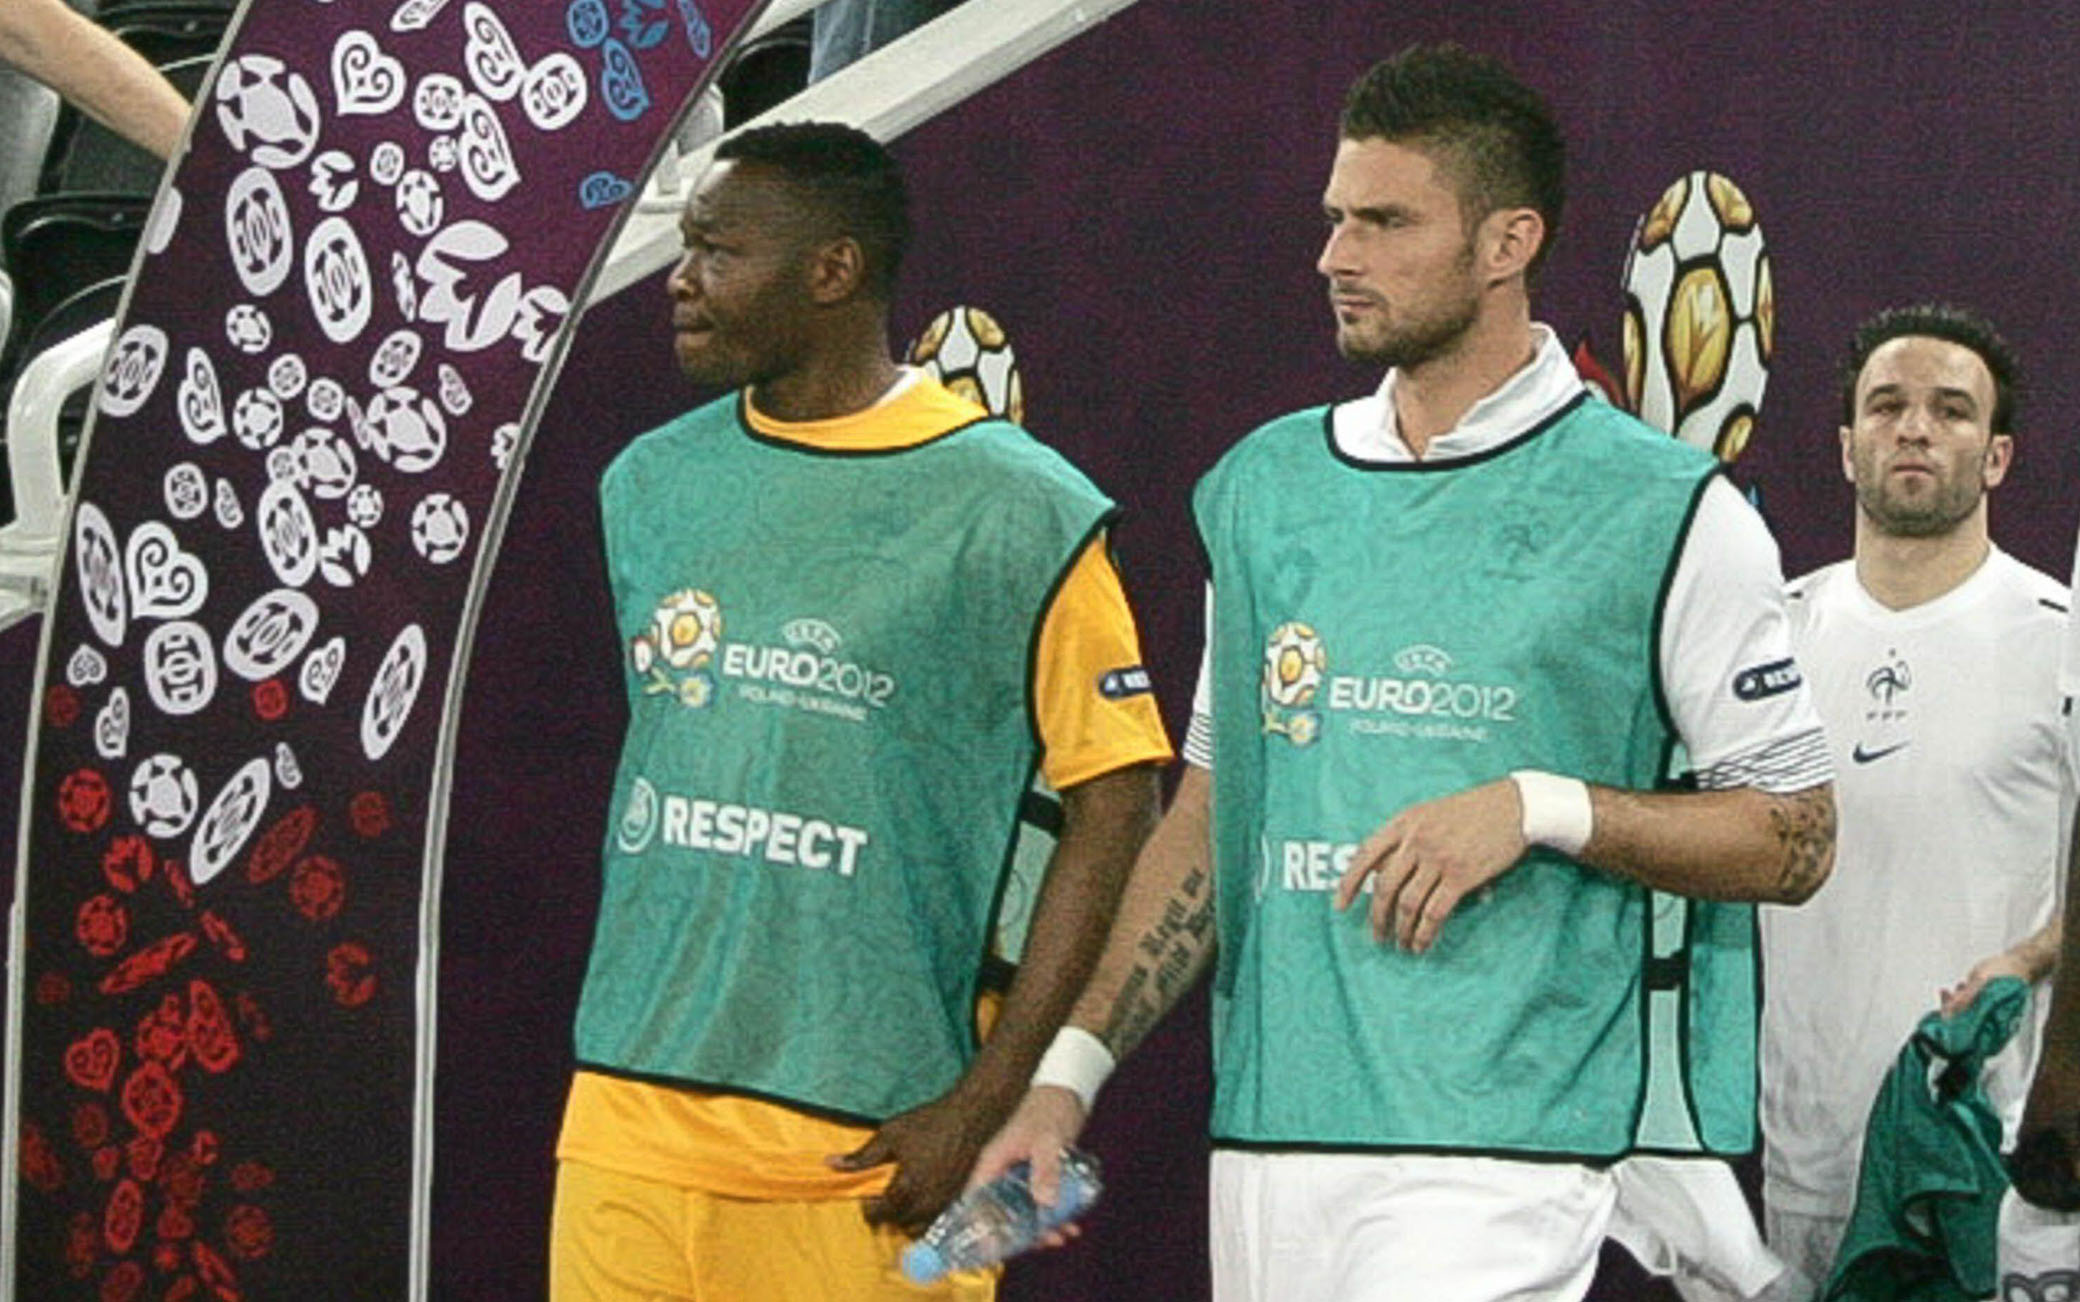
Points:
(1949, 503)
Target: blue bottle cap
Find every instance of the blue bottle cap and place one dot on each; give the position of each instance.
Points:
(923, 1263)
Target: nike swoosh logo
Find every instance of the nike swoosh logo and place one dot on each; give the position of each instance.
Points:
(1862, 756)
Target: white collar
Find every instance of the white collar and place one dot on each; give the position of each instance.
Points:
(1367, 429)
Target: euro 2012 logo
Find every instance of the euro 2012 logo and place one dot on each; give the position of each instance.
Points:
(1294, 662)
(673, 654)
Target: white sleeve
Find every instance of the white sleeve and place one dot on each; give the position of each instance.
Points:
(1734, 690)
(1198, 735)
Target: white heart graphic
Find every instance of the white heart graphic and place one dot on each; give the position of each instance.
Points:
(165, 582)
(86, 667)
(287, 772)
(200, 401)
(489, 56)
(112, 726)
(366, 81)
(321, 670)
(229, 513)
(485, 159)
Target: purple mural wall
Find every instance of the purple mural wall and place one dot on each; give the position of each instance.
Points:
(1141, 210)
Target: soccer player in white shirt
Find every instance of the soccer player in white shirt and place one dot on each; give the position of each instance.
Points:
(1432, 235)
(1933, 657)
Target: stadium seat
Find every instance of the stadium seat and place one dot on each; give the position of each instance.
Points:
(765, 71)
(30, 110)
(85, 155)
(55, 245)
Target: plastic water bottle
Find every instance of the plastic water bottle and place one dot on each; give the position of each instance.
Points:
(1000, 1219)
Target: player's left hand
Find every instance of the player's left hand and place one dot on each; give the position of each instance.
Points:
(1960, 996)
(1431, 856)
(933, 1148)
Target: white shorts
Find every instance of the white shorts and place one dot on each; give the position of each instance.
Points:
(1360, 1227)
(1686, 1218)
(2039, 1253)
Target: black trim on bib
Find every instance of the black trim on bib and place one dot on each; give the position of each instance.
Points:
(985, 961)
(1455, 463)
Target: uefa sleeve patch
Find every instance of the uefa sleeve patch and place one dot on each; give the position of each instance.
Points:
(1119, 684)
(1762, 681)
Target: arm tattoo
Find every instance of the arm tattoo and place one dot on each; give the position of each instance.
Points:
(1804, 824)
(1168, 957)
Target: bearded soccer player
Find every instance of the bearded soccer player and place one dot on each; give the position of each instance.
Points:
(1457, 629)
(856, 613)
(1933, 656)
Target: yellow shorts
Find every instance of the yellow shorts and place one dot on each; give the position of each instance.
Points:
(620, 1238)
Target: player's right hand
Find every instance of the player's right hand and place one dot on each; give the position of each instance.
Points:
(1047, 1122)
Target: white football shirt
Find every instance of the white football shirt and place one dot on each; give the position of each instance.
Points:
(1952, 793)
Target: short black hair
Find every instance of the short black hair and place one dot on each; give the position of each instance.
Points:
(854, 185)
(1949, 323)
(1499, 135)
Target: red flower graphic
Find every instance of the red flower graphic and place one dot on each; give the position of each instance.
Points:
(177, 881)
(83, 800)
(60, 706)
(163, 1034)
(53, 988)
(129, 862)
(149, 963)
(103, 925)
(108, 1162)
(125, 1217)
(203, 1148)
(248, 1232)
(270, 699)
(220, 934)
(90, 1125)
(318, 888)
(91, 1060)
(122, 1283)
(40, 1164)
(144, 1153)
(209, 1029)
(152, 1100)
(346, 971)
(82, 1242)
(280, 844)
(175, 1223)
(215, 1272)
(166, 1256)
(252, 1017)
(370, 814)
(183, 1181)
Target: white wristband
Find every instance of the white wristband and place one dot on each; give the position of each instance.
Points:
(1556, 810)
(1077, 1061)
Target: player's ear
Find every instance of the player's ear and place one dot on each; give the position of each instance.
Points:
(837, 270)
(2000, 454)
(1510, 239)
(1848, 460)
